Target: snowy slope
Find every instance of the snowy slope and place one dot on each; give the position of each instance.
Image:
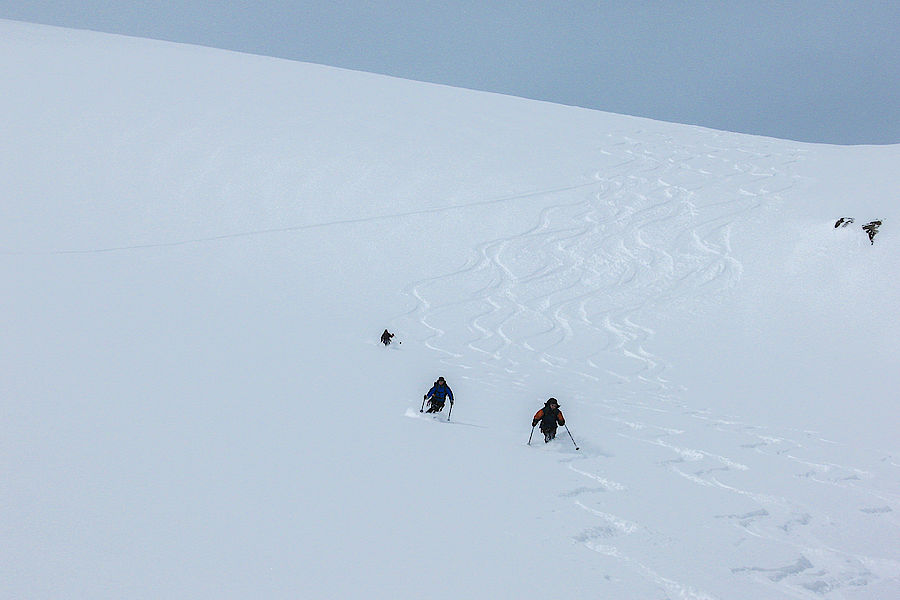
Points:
(200, 249)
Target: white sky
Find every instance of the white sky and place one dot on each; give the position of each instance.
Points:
(804, 70)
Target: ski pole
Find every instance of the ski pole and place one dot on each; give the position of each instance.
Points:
(423, 403)
(532, 433)
(570, 435)
(451, 411)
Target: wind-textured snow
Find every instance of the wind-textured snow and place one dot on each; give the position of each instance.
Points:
(200, 250)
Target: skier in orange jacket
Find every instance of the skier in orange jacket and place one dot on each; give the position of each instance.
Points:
(549, 417)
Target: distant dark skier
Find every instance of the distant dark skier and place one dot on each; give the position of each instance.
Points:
(549, 417)
(386, 337)
(438, 395)
(871, 228)
(843, 222)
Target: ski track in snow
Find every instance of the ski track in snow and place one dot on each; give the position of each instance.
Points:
(655, 228)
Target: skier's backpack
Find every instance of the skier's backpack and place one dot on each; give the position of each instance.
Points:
(549, 419)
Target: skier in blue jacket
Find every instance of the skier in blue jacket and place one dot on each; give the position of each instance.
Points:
(437, 395)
